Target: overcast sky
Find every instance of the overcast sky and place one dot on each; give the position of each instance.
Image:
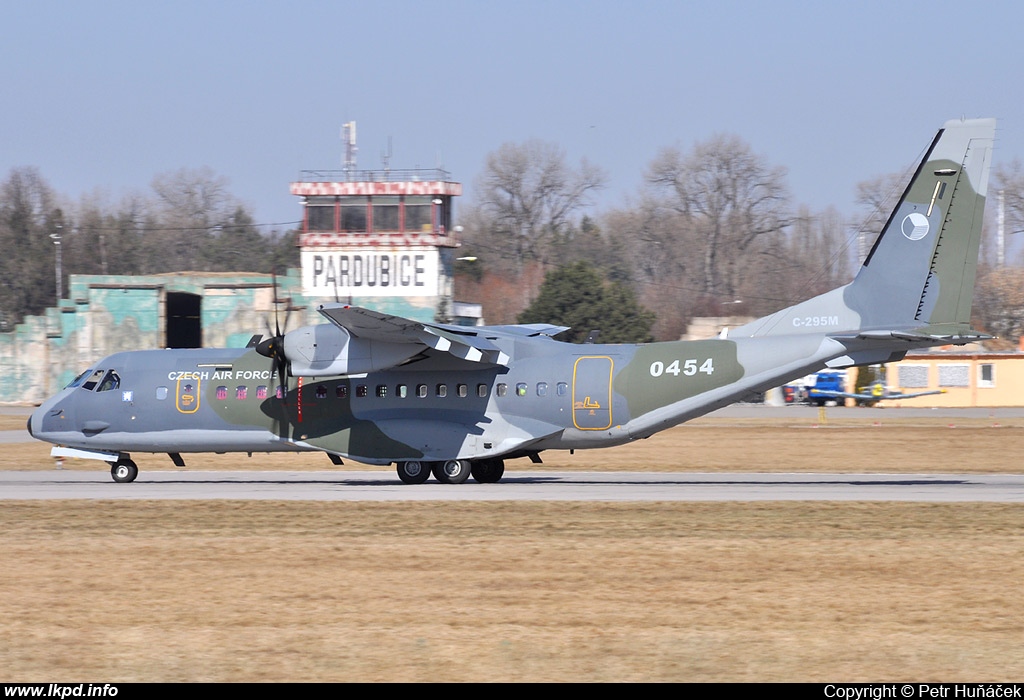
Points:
(103, 95)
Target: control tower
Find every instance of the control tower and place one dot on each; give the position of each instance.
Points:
(379, 238)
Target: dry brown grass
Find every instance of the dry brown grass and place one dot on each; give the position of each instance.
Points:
(281, 591)
(273, 591)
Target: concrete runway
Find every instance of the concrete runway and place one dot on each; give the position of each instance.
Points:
(515, 486)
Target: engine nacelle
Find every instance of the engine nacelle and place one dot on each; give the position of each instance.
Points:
(327, 350)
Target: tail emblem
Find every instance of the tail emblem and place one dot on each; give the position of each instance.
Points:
(915, 226)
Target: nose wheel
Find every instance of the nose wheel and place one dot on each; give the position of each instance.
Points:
(124, 471)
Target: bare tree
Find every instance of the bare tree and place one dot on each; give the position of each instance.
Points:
(191, 204)
(877, 198)
(28, 217)
(729, 198)
(999, 305)
(529, 196)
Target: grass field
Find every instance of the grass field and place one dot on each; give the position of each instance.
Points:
(273, 591)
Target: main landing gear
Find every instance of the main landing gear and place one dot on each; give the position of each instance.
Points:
(124, 470)
(453, 471)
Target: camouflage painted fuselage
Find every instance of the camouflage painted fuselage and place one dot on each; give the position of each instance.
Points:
(381, 389)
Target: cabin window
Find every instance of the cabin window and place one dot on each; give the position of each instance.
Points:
(241, 392)
(280, 391)
(521, 389)
(401, 391)
(502, 389)
(561, 388)
(161, 393)
(421, 391)
(222, 393)
(261, 392)
(442, 390)
(361, 391)
(341, 391)
(382, 391)
(321, 391)
(462, 390)
(481, 391)
(542, 388)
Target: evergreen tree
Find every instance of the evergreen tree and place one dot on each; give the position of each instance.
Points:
(575, 295)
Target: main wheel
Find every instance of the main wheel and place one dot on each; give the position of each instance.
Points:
(124, 471)
(413, 472)
(454, 471)
(488, 471)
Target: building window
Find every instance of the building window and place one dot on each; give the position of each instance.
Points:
(385, 214)
(417, 214)
(954, 375)
(912, 376)
(320, 214)
(353, 214)
(986, 375)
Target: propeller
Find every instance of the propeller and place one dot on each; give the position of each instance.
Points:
(273, 348)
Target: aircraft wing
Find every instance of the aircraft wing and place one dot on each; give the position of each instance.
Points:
(839, 394)
(900, 395)
(887, 396)
(375, 326)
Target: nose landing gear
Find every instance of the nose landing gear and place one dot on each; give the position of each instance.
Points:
(124, 471)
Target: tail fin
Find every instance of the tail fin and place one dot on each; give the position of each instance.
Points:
(917, 282)
(920, 272)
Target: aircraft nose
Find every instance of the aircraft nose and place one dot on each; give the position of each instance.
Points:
(37, 423)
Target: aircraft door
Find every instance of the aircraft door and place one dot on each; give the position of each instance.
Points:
(592, 393)
(186, 393)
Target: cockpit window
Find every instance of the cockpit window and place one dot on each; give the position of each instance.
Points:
(110, 382)
(94, 379)
(78, 380)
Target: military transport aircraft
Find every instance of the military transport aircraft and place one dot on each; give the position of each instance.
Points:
(877, 392)
(455, 401)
